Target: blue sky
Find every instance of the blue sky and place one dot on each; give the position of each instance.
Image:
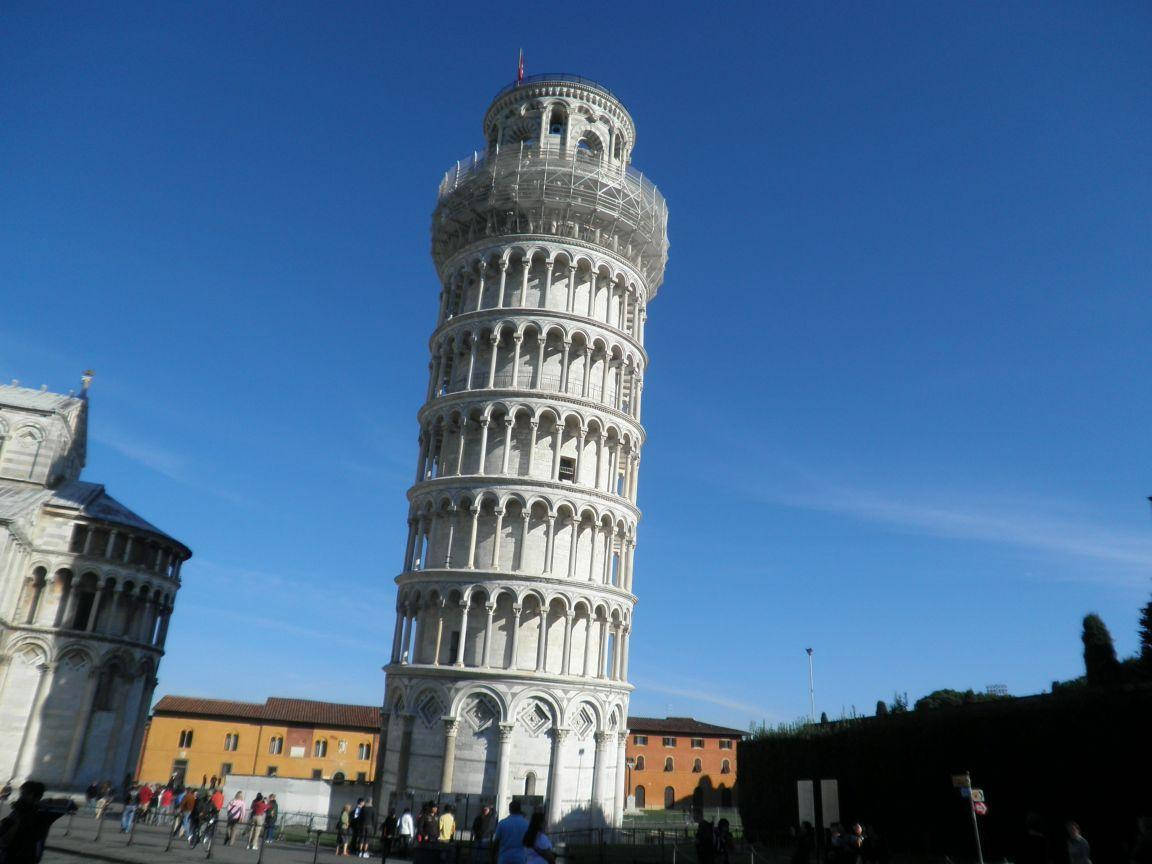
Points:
(898, 402)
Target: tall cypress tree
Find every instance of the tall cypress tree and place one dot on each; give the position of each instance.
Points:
(1146, 635)
(1100, 665)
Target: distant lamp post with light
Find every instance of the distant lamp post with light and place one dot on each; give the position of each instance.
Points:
(811, 688)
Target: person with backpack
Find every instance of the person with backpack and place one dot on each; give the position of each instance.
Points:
(270, 817)
(537, 846)
(256, 821)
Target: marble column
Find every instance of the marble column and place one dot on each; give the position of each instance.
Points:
(451, 727)
(503, 794)
(555, 775)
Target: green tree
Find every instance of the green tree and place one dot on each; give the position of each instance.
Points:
(1146, 635)
(1100, 665)
(881, 708)
(899, 703)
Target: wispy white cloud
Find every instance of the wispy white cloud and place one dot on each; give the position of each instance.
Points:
(162, 460)
(988, 520)
(706, 693)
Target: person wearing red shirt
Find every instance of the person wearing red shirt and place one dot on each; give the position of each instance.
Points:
(256, 821)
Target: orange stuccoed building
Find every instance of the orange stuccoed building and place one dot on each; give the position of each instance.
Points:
(189, 739)
(678, 762)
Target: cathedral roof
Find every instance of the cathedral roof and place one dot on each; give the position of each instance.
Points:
(87, 499)
(15, 396)
(275, 709)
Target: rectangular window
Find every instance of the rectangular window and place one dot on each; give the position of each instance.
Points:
(453, 646)
(640, 740)
(179, 770)
(725, 744)
(79, 538)
(697, 743)
(185, 739)
(317, 774)
(669, 742)
(119, 542)
(272, 771)
(98, 548)
(364, 751)
(225, 769)
(361, 777)
(567, 469)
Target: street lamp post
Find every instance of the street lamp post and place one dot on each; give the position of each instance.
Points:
(811, 688)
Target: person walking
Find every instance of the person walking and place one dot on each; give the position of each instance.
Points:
(343, 827)
(236, 811)
(1079, 852)
(131, 801)
(482, 827)
(166, 796)
(388, 834)
(367, 828)
(537, 846)
(144, 802)
(256, 822)
(724, 842)
(429, 824)
(447, 826)
(405, 830)
(270, 817)
(508, 838)
(357, 824)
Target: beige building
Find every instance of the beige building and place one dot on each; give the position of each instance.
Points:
(191, 739)
(86, 591)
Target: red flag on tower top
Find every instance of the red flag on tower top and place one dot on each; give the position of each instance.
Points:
(520, 67)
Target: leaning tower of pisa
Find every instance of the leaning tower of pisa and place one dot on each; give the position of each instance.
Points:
(509, 667)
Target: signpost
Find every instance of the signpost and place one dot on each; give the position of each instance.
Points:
(963, 782)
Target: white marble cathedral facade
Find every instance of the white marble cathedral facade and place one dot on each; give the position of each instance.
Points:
(509, 666)
(86, 591)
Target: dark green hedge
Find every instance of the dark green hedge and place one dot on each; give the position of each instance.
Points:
(1084, 754)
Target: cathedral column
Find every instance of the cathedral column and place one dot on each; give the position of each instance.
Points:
(401, 620)
(604, 376)
(592, 554)
(603, 648)
(524, 517)
(565, 347)
(549, 543)
(480, 286)
(81, 727)
(606, 575)
(572, 547)
(481, 456)
(439, 632)
(490, 608)
(516, 610)
(534, 424)
(405, 655)
(471, 363)
(601, 739)
(502, 759)
(453, 514)
(162, 637)
(557, 440)
(587, 374)
(451, 727)
(555, 773)
(509, 422)
(405, 757)
(618, 809)
(527, 262)
(547, 283)
(475, 511)
(460, 448)
(581, 434)
(25, 754)
(542, 341)
(147, 690)
(464, 604)
(503, 280)
(631, 550)
(516, 340)
(542, 641)
(566, 663)
(410, 548)
(495, 340)
(587, 670)
(626, 639)
(96, 600)
(496, 541)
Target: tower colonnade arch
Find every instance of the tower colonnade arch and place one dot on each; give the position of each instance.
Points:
(515, 597)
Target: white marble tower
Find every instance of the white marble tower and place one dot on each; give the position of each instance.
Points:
(509, 667)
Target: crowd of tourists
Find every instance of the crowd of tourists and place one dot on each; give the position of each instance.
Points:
(514, 839)
(192, 811)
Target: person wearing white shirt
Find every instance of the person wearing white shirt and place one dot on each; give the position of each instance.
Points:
(405, 831)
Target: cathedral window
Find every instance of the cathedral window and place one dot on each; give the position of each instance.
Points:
(696, 766)
(668, 764)
(364, 751)
(231, 741)
(668, 742)
(725, 767)
(275, 746)
(725, 743)
(639, 763)
(697, 743)
(320, 748)
(567, 469)
(640, 740)
(79, 539)
(185, 739)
